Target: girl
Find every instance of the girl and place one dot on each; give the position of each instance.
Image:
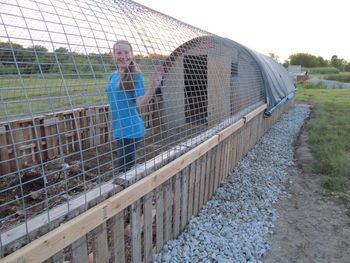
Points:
(126, 94)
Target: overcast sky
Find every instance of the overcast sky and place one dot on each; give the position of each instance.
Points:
(319, 27)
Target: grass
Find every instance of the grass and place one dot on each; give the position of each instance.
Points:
(329, 133)
(342, 77)
(36, 95)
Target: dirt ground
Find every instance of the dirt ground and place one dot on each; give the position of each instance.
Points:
(312, 226)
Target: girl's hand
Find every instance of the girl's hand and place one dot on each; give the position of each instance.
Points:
(110, 136)
(157, 76)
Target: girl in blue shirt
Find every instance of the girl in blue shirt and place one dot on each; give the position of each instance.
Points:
(126, 95)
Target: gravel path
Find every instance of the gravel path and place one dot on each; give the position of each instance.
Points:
(234, 226)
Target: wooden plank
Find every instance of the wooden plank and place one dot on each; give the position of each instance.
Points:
(168, 217)
(218, 150)
(206, 170)
(50, 134)
(191, 183)
(196, 187)
(223, 161)
(210, 169)
(159, 218)
(234, 150)
(228, 156)
(58, 257)
(254, 113)
(177, 204)
(239, 145)
(147, 230)
(201, 182)
(79, 251)
(184, 197)
(49, 244)
(100, 246)
(84, 131)
(118, 241)
(135, 232)
(15, 134)
(231, 129)
(4, 153)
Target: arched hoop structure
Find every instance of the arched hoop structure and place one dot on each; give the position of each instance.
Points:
(58, 157)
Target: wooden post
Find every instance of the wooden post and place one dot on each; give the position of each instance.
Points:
(79, 251)
(184, 197)
(147, 229)
(51, 136)
(4, 152)
(135, 232)
(159, 218)
(118, 241)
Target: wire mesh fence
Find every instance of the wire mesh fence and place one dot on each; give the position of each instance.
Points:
(84, 114)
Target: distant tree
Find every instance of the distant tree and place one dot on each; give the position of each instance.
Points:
(286, 63)
(304, 59)
(274, 56)
(347, 67)
(322, 62)
(338, 63)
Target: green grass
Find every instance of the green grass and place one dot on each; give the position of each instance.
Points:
(342, 77)
(329, 133)
(39, 95)
(321, 70)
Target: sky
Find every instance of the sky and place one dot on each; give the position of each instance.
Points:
(317, 27)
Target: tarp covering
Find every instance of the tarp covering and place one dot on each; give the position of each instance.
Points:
(278, 83)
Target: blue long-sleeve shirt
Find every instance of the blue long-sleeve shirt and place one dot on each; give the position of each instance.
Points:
(126, 121)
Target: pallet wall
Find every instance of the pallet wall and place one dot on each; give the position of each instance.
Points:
(134, 224)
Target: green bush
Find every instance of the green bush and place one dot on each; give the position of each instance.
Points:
(342, 77)
(322, 70)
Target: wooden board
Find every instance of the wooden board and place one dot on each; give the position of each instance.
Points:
(184, 197)
(118, 241)
(135, 232)
(147, 227)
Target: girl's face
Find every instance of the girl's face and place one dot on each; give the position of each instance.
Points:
(122, 55)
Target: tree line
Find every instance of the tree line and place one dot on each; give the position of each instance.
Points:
(37, 59)
(311, 61)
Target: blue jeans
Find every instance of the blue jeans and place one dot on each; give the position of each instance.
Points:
(126, 153)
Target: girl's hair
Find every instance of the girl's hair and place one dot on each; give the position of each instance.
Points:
(128, 74)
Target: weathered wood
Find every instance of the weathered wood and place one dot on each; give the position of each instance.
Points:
(118, 241)
(177, 204)
(196, 187)
(136, 231)
(255, 112)
(100, 245)
(159, 218)
(212, 172)
(218, 150)
(230, 130)
(4, 154)
(79, 251)
(191, 185)
(84, 223)
(184, 197)
(168, 204)
(206, 175)
(147, 227)
(51, 135)
(201, 182)
(58, 257)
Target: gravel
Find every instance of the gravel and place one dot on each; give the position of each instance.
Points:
(235, 225)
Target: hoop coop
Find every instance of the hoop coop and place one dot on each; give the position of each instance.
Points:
(167, 110)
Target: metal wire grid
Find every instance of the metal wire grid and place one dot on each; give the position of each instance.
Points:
(55, 118)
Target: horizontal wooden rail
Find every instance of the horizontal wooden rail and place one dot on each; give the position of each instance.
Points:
(56, 240)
